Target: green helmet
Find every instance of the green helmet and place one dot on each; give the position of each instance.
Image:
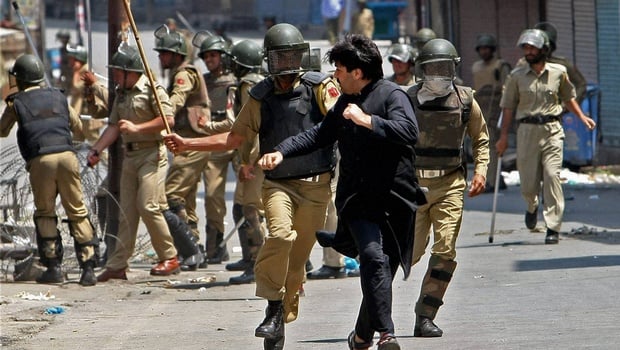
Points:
(63, 34)
(284, 47)
(77, 52)
(172, 42)
(551, 31)
(437, 59)
(28, 70)
(534, 37)
(423, 35)
(127, 58)
(402, 52)
(213, 43)
(247, 53)
(486, 40)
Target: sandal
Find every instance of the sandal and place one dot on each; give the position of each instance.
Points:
(388, 342)
(356, 345)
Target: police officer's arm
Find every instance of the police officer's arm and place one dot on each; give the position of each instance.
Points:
(156, 124)
(75, 123)
(567, 93)
(477, 131)
(182, 87)
(109, 135)
(9, 118)
(508, 103)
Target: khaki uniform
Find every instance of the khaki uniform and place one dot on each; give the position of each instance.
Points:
(216, 171)
(295, 209)
(51, 175)
(406, 84)
(363, 22)
(142, 179)
(489, 78)
(90, 127)
(540, 146)
(442, 215)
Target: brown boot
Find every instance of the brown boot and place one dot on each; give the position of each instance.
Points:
(166, 267)
(109, 274)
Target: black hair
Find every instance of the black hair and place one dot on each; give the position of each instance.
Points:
(358, 51)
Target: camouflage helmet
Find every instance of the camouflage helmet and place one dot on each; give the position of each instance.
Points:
(534, 37)
(402, 52)
(77, 52)
(213, 43)
(170, 40)
(127, 58)
(423, 35)
(550, 30)
(247, 53)
(439, 54)
(284, 47)
(486, 40)
(28, 70)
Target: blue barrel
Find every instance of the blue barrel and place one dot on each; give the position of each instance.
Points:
(580, 143)
(386, 18)
(53, 57)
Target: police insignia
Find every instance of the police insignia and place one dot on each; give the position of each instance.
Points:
(180, 81)
(333, 92)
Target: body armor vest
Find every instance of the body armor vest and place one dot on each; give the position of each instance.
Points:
(250, 79)
(442, 123)
(196, 105)
(218, 91)
(43, 119)
(287, 114)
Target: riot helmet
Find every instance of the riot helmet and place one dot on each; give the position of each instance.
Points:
(206, 41)
(63, 35)
(170, 40)
(284, 47)
(246, 55)
(28, 71)
(551, 31)
(486, 40)
(437, 61)
(534, 37)
(402, 52)
(423, 35)
(78, 52)
(127, 58)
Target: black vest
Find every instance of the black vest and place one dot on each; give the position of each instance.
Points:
(287, 114)
(43, 119)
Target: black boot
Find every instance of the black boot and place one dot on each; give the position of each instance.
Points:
(203, 264)
(88, 278)
(53, 274)
(240, 265)
(424, 327)
(272, 326)
(245, 278)
(273, 344)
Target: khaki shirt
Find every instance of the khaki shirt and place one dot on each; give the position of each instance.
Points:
(139, 106)
(9, 118)
(531, 94)
(248, 120)
(185, 83)
(479, 134)
(492, 73)
(364, 23)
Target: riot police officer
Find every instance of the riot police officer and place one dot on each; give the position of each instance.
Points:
(219, 80)
(402, 58)
(296, 193)
(422, 36)
(446, 112)
(45, 121)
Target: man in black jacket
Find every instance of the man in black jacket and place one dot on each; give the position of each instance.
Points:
(377, 193)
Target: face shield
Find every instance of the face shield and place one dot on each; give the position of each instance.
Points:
(286, 61)
(436, 70)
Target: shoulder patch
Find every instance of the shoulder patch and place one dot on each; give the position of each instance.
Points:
(333, 91)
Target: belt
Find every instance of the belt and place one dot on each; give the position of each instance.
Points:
(218, 116)
(430, 174)
(314, 178)
(136, 146)
(540, 119)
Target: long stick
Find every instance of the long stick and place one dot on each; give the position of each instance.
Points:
(497, 176)
(147, 69)
(29, 37)
(90, 37)
(232, 232)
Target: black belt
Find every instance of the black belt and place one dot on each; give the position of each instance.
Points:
(540, 119)
(136, 146)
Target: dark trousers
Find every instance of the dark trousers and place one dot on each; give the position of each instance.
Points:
(378, 264)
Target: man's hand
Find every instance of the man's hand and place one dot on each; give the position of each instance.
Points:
(175, 143)
(246, 173)
(355, 114)
(89, 78)
(127, 127)
(477, 185)
(589, 122)
(501, 145)
(92, 157)
(270, 160)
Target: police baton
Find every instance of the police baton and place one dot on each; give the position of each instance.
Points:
(147, 69)
(32, 46)
(498, 174)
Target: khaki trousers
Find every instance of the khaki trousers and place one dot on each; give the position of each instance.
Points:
(442, 214)
(141, 187)
(215, 176)
(295, 210)
(540, 150)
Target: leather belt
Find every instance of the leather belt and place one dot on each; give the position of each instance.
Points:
(539, 119)
(314, 178)
(139, 145)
